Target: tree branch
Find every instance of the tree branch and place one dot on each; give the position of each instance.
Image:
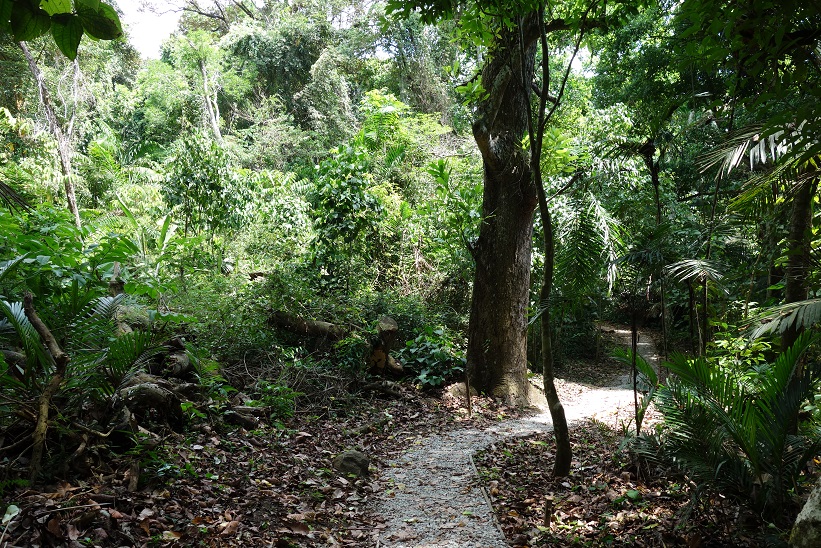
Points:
(60, 361)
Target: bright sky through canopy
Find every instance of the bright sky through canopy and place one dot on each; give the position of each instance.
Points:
(147, 30)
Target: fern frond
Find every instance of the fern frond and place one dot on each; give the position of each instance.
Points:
(302, 187)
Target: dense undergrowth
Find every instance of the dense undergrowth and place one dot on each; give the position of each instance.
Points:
(317, 162)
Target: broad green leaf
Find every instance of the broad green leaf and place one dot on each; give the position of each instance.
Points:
(5, 14)
(102, 23)
(92, 5)
(67, 31)
(28, 23)
(53, 7)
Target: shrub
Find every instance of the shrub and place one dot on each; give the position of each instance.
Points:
(434, 357)
(736, 432)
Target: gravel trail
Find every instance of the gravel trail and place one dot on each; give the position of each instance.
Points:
(432, 497)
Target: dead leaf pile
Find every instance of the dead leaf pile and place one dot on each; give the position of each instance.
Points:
(221, 485)
(602, 502)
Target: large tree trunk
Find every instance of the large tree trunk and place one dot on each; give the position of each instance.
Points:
(497, 334)
(61, 135)
(799, 250)
(799, 254)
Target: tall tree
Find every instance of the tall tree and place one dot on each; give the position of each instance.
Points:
(510, 33)
(62, 131)
(68, 24)
(196, 56)
(497, 332)
(774, 78)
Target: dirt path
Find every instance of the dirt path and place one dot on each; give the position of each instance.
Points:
(431, 497)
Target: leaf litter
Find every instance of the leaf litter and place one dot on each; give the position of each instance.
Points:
(220, 485)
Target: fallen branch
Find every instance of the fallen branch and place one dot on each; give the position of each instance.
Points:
(312, 328)
(386, 387)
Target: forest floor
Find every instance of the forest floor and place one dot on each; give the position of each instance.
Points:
(439, 479)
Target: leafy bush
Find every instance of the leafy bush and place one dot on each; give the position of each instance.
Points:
(434, 356)
(279, 398)
(734, 431)
(68, 271)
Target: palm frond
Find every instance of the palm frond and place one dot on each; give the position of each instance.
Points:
(589, 241)
(95, 324)
(103, 371)
(777, 319)
(649, 250)
(16, 323)
(11, 198)
(735, 435)
(730, 154)
(142, 174)
(128, 354)
(695, 270)
(394, 156)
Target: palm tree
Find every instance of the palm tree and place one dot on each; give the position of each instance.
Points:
(791, 151)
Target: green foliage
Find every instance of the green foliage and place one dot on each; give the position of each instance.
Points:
(29, 20)
(210, 196)
(589, 241)
(734, 432)
(457, 208)
(60, 259)
(324, 104)
(279, 227)
(68, 271)
(228, 319)
(102, 359)
(156, 111)
(280, 399)
(279, 59)
(738, 353)
(435, 356)
(157, 249)
(345, 211)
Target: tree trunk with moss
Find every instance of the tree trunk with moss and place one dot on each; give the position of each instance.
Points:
(497, 334)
